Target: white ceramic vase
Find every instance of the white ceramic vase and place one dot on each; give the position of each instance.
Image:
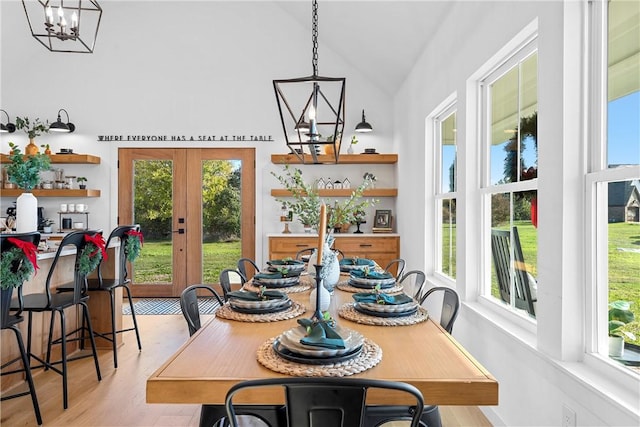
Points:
(325, 298)
(616, 346)
(26, 213)
(330, 271)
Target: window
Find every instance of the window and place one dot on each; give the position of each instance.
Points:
(510, 112)
(444, 128)
(613, 181)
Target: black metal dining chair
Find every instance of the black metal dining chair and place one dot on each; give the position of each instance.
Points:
(415, 279)
(101, 284)
(226, 282)
(11, 320)
(248, 267)
(190, 308)
(398, 264)
(326, 401)
(450, 305)
(53, 303)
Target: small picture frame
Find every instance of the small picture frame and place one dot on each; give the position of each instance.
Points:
(382, 218)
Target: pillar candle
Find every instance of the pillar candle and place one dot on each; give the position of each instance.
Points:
(322, 229)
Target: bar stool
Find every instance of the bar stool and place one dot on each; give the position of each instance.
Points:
(9, 320)
(110, 285)
(57, 303)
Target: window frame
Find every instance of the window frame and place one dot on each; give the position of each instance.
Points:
(446, 109)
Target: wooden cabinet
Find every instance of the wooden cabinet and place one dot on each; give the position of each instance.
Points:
(78, 159)
(380, 248)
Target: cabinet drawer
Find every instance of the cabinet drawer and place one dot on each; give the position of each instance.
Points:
(288, 247)
(368, 244)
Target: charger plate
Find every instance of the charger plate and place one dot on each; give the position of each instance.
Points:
(368, 357)
(363, 310)
(262, 310)
(349, 312)
(290, 339)
(226, 312)
(260, 304)
(303, 286)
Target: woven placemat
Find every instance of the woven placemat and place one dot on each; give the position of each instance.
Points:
(300, 287)
(350, 313)
(369, 357)
(345, 286)
(226, 312)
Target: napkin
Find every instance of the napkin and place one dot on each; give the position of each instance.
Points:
(321, 335)
(254, 296)
(382, 298)
(356, 261)
(371, 274)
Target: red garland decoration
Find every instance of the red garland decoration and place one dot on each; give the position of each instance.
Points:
(97, 240)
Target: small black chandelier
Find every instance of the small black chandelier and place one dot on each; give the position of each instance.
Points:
(312, 110)
(57, 26)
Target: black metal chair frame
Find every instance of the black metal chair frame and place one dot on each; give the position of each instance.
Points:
(242, 266)
(450, 306)
(419, 283)
(305, 251)
(225, 281)
(57, 303)
(502, 243)
(111, 285)
(327, 401)
(9, 322)
(400, 262)
(189, 305)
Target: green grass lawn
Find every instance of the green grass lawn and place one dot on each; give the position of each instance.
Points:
(154, 264)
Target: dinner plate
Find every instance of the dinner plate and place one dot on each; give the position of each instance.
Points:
(364, 281)
(287, 354)
(383, 314)
(296, 267)
(371, 285)
(270, 303)
(281, 282)
(266, 310)
(291, 340)
(389, 308)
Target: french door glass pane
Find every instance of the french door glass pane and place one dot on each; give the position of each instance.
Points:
(221, 208)
(153, 210)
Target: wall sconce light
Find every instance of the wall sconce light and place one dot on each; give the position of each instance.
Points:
(61, 33)
(59, 126)
(313, 106)
(363, 126)
(9, 127)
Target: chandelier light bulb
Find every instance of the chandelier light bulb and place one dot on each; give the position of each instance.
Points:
(60, 14)
(49, 13)
(74, 20)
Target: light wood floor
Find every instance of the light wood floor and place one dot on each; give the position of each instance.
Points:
(119, 399)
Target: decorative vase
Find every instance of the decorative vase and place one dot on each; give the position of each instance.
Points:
(31, 148)
(325, 298)
(307, 228)
(331, 271)
(26, 213)
(616, 346)
(350, 149)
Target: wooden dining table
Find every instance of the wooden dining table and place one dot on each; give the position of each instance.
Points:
(224, 352)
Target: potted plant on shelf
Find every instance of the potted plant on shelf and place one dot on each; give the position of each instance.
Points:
(47, 225)
(82, 182)
(619, 316)
(32, 129)
(24, 171)
(47, 149)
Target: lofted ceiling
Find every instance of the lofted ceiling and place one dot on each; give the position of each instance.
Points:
(382, 39)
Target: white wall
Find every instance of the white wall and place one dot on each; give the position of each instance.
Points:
(539, 367)
(176, 68)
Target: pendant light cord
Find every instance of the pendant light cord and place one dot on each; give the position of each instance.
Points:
(314, 37)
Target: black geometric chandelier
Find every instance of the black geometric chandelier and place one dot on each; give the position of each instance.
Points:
(64, 25)
(312, 110)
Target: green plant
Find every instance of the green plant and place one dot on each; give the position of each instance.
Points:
(45, 146)
(89, 259)
(306, 201)
(81, 179)
(11, 276)
(619, 315)
(48, 222)
(32, 129)
(25, 170)
(354, 140)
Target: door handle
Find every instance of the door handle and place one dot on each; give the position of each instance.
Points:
(179, 231)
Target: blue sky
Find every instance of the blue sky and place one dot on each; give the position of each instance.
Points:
(624, 130)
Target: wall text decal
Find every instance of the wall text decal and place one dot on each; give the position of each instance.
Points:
(179, 138)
